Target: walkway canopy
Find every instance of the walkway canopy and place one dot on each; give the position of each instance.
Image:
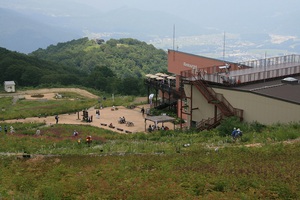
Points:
(159, 119)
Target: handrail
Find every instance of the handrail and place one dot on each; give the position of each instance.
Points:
(272, 61)
(256, 70)
(210, 94)
(263, 74)
(209, 123)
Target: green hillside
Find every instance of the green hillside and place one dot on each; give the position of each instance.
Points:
(114, 66)
(29, 71)
(124, 57)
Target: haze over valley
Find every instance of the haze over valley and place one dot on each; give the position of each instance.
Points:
(235, 31)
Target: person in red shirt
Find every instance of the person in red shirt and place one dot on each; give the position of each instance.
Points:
(89, 140)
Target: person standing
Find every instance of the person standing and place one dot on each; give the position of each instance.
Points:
(5, 129)
(97, 114)
(143, 111)
(233, 133)
(89, 140)
(56, 118)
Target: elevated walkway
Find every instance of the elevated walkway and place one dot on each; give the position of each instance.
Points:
(257, 70)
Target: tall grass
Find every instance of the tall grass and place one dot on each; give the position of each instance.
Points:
(253, 173)
(157, 165)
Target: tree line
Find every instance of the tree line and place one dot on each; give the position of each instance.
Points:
(114, 66)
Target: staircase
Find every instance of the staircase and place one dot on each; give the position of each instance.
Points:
(216, 99)
(209, 123)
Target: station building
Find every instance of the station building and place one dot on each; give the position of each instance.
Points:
(205, 90)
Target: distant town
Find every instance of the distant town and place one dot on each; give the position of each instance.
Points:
(231, 47)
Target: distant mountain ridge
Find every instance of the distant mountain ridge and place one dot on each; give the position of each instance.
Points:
(25, 35)
(30, 25)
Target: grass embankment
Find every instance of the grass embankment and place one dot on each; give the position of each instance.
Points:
(149, 166)
(144, 166)
(41, 108)
(69, 103)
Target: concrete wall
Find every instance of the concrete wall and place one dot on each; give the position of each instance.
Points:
(204, 109)
(260, 108)
(256, 107)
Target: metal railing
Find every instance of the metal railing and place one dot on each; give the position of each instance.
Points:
(272, 61)
(254, 76)
(209, 123)
(262, 69)
(211, 95)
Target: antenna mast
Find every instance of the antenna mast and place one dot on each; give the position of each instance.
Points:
(174, 37)
(224, 48)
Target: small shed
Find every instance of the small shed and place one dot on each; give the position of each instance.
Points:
(9, 86)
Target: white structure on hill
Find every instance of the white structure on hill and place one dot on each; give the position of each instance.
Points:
(9, 86)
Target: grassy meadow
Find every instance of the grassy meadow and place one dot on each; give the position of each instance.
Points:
(263, 164)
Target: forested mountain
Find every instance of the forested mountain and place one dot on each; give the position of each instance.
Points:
(114, 66)
(29, 71)
(126, 58)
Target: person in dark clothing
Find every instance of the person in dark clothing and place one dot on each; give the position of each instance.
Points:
(5, 129)
(143, 111)
(56, 118)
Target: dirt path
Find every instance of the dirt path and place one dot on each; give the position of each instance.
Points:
(57, 90)
(107, 116)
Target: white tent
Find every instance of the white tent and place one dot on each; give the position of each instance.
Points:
(153, 76)
(171, 77)
(164, 75)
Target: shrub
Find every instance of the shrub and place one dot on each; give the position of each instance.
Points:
(228, 124)
(256, 126)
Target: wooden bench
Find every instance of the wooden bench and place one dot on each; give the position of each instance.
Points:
(120, 129)
(103, 124)
(128, 131)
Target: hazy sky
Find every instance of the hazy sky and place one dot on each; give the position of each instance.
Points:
(193, 17)
(189, 9)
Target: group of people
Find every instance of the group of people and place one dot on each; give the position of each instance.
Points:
(236, 133)
(12, 130)
(88, 139)
(153, 128)
(122, 120)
